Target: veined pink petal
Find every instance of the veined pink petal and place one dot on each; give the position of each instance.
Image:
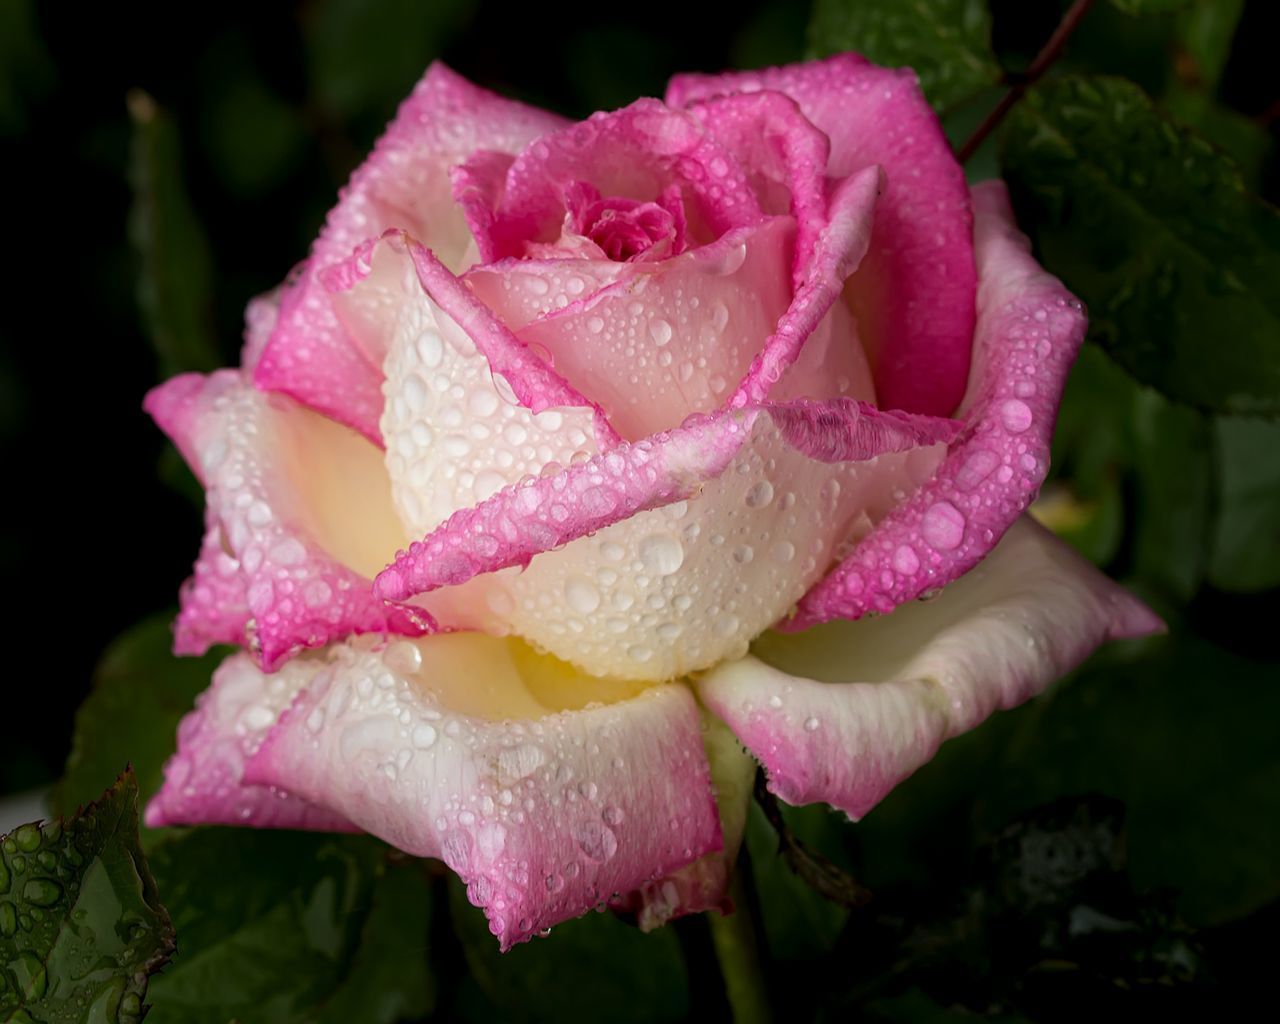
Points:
(647, 596)
(545, 807)
(204, 781)
(404, 184)
(784, 155)
(1029, 329)
(260, 318)
(633, 153)
(299, 509)
(844, 712)
(913, 294)
(839, 247)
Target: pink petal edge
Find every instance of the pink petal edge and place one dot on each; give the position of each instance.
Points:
(843, 713)
(1029, 330)
(403, 184)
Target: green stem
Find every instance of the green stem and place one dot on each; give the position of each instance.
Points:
(738, 949)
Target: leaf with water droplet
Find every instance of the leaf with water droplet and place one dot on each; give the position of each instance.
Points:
(1153, 228)
(946, 42)
(81, 925)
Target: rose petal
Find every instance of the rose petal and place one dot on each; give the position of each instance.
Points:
(845, 712)
(840, 246)
(204, 781)
(913, 294)
(260, 318)
(648, 596)
(634, 153)
(302, 513)
(455, 429)
(704, 884)
(1029, 329)
(404, 184)
(782, 152)
(544, 808)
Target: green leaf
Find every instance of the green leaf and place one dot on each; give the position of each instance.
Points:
(140, 692)
(278, 927)
(1205, 30)
(593, 966)
(947, 42)
(1246, 543)
(1149, 6)
(1173, 469)
(26, 69)
(175, 285)
(1205, 822)
(81, 925)
(1154, 229)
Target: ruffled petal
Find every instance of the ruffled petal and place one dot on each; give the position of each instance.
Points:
(634, 153)
(913, 295)
(204, 781)
(404, 184)
(642, 592)
(299, 514)
(844, 712)
(784, 155)
(546, 802)
(1029, 329)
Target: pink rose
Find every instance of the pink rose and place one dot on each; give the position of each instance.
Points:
(558, 419)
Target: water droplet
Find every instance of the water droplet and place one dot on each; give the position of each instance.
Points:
(639, 653)
(976, 468)
(536, 285)
(581, 596)
(423, 735)
(760, 494)
(942, 526)
(783, 551)
(596, 841)
(430, 349)
(726, 624)
(595, 325)
(518, 762)
(661, 553)
(403, 658)
(810, 724)
(27, 838)
(1015, 414)
(42, 892)
(659, 331)
(905, 560)
(743, 554)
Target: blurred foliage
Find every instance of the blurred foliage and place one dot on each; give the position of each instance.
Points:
(1111, 848)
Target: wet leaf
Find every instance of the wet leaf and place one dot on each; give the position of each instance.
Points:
(946, 42)
(82, 928)
(1149, 6)
(1153, 228)
(1246, 543)
(1205, 29)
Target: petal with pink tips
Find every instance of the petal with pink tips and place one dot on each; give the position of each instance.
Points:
(1029, 329)
(637, 152)
(639, 589)
(204, 780)
(300, 512)
(784, 156)
(546, 805)
(844, 712)
(913, 295)
(404, 184)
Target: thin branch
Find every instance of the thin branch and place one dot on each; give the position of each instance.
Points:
(1020, 82)
(816, 870)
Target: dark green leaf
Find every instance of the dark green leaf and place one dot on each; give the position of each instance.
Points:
(1204, 823)
(1205, 29)
(947, 42)
(175, 285)
(1246, 544)
(284, 926)
(81, 924)
(1172, 463)
(594, 966)
(1153, 228)
(1149, 6)
(131, 716)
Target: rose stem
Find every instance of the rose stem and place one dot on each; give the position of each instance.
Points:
(736, 940)
(1051, 51)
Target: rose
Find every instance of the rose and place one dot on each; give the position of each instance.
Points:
(631, 392)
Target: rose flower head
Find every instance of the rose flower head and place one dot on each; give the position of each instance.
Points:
(576, 469)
